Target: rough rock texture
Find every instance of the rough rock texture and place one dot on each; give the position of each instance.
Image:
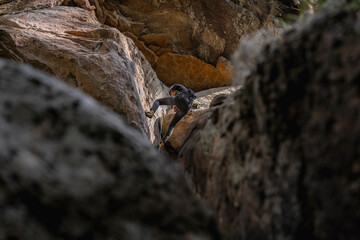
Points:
(194, 34)
(71, 169)
(201, 105)
(281, 159)
(192, 72)
(71, 44)
(9, 6)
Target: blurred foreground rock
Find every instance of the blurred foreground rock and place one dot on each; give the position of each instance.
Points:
(71, 169)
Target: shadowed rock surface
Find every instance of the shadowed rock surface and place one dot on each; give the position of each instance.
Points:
(281, 159)
(73, 45)
(71, 169)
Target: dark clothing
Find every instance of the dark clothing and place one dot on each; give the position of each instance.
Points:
(183, 101)
(180, 89)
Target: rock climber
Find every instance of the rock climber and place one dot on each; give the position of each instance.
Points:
(181, 100)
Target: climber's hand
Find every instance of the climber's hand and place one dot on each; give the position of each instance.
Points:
(175, 108)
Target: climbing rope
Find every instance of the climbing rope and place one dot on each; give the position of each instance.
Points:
(162, 122)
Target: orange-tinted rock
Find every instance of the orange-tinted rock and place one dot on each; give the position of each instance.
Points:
(160, 40)
(192, 72)
(204, 29)
(207, 29)
(225, 68)
(163, 50)
(154, 48)
(113, 21)
(137, 28)
(181, 128)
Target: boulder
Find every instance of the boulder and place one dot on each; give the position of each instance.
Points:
(192, 72)
(73, 45)
(280, 160)
(72, 169)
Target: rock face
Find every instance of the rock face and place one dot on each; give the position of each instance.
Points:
(71, 44)
(198, 36)
(192, 72)
(70, 169)
(281, 159)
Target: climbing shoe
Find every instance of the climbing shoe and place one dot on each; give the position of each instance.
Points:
(149, 114)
